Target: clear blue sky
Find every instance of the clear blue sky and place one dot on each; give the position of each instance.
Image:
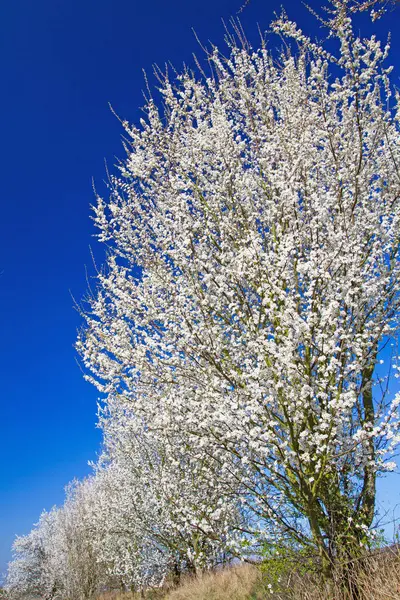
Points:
(62, 61)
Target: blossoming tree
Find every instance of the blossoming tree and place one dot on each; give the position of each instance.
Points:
(31, 572)
(143, 515)
(154, 493)
(262, 209)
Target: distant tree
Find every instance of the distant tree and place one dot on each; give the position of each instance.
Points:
(57, 559)
(262, 207)
(143, 515)
(31, 573)
(176, 514)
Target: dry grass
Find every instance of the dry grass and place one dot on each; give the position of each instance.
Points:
(375, 578)
(378, 578)
(234, 583)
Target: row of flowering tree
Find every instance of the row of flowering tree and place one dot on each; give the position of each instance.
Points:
(250, 292)
(142, 516)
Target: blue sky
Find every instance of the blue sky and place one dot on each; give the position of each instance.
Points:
(62, 62)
